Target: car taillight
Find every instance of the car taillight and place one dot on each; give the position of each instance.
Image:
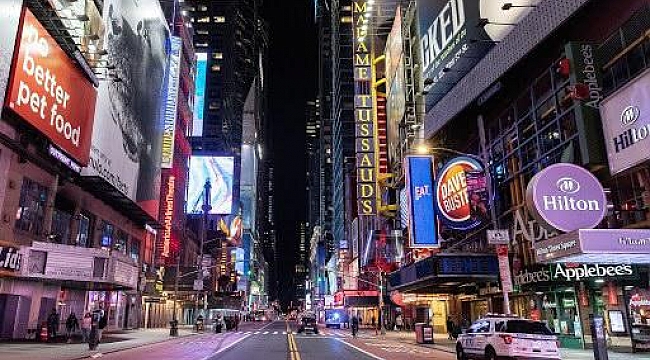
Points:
(506, 339)
(557, 343)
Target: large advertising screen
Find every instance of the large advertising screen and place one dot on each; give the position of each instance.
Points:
(127, 138)
(199, 93)
(219, 171)
(423, 224)
(48, 91)
(453, 39)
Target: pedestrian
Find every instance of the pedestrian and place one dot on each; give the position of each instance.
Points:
(86, 324)
(71, 326)
(52, 324)
(355, 325)
(101, 325)
(237, 322)
(399, 323)
(451, 328)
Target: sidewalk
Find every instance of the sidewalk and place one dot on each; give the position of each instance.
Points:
(442, 343)
(111, 342)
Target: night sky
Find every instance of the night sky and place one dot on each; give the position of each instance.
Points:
(293, 78)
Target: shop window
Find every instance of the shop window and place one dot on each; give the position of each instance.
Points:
(526, 128)
(135, 249)
(219, 19)
(60, 226)
(217, 56)
(546, 111)
(31, 207)
(107, 235)
(121, 239)
(83, 232)
(205, 19)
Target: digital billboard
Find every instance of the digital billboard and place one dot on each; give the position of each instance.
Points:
(48, 91)
(423, 225)
(127, 138)
(219, 171)
(199, 93)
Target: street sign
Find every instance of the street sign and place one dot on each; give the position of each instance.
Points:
(198, 285)
(504, 268)
(498, 237)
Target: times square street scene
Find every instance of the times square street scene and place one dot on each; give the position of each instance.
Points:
(325, 179)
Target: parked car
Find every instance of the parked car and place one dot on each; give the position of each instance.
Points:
(505, 336)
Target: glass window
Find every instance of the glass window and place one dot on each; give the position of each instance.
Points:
(121, 239)
(135, 249)
(83, 232)
(527, 327)
(31, 207)
(107, 234)
(636, 60)
(61, 226)
(524, 104)
(220, 19)
(217, 56)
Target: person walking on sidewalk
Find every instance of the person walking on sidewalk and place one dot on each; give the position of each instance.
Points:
(355, 325)
(451, 328)
(101, 325)
(52, 324)
(86, 323)
(71, 326)
(399, 323)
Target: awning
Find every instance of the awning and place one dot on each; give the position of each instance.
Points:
(602, 246)
(446, 274)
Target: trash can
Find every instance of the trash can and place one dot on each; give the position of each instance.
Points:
(423, 333)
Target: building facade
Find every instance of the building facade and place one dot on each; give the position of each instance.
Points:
(552, 89)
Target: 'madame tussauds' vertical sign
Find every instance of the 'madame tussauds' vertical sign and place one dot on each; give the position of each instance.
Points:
(364, 117)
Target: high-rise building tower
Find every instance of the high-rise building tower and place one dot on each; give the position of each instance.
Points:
(342, 113)
(312, 132)
(225, 34)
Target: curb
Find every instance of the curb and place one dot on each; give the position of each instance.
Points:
(91, 356)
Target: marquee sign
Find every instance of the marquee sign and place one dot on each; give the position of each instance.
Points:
(364, 112)
(566, 197)
(10, 259)
(452, 199)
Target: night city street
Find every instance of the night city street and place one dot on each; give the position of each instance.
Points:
(325, 179)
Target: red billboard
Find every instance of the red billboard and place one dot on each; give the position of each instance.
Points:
(48, 91)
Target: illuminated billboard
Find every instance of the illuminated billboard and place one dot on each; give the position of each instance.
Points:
(219, 171)
(48, 91)
(199, 93)
(173, 75)
(128, 129)
(423, 226)
(454, 38)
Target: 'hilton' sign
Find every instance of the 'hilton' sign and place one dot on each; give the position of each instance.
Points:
(566, 197)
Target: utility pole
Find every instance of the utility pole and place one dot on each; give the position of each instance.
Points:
(493, 210)
(202, 233)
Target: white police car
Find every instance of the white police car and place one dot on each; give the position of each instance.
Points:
(506, 336)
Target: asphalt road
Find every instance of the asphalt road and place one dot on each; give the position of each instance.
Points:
(279, 341)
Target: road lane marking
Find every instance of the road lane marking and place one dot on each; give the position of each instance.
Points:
(226, 348)
(284, 333)
(360, 350)
(256, 333)
(275, 333)
(265, 333)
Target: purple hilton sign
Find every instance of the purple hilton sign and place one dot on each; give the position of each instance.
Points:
(566, 197)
